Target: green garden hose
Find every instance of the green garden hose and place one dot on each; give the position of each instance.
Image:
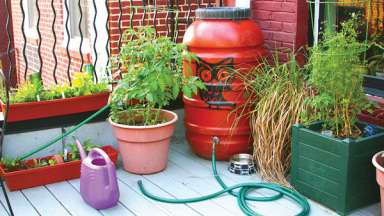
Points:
(73, 129)
(241, 196)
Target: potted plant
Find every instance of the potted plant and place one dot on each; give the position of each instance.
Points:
(330, 153)
(46, 170)
(152, 80)
(376, 55)
(32, 101)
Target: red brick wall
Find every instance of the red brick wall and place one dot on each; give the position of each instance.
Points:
(160, 23)
(284, 22)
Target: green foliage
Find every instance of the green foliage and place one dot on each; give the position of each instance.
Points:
(27, 92)
(271, 75)
(276, 92)
(83, 84)
(42, 162)
(337, 77)
(88, 145)
(52, 162)
(12, 164)
(154, 77)
(376, 53)
(31, 90)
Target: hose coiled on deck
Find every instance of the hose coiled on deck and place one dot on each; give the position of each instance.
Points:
(242, 196)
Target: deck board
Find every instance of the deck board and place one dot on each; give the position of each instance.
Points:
(186, 176)
(71, 199)
(119, 209)
(261, 207)
(19, 202)
(171, 182)
(131, 179)
(44, 202)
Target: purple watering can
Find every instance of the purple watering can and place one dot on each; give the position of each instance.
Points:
(98, 182)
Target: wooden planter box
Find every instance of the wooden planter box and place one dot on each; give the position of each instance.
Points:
(336, 173)
(28, 178)
(59, 107)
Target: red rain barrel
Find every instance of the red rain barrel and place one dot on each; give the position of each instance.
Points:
(223, 39)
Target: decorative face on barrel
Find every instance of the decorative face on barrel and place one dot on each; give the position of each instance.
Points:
(217, 78)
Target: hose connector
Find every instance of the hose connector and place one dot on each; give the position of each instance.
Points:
(215, 140)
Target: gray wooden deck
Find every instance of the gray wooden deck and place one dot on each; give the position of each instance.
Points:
(186, 176)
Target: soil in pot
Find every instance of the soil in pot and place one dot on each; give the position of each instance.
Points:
(144, 149)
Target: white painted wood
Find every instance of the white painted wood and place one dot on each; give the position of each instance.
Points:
(316, 22)
(133, 201)
(372, 210)
(71, 199)
(18, 144)
(3, 212)
(102, 37)
(243, 3)
(263, 208)
(43, 201)
(279, 205)
(136, 202)
(99, 133)
(20, 204)
(173, 181)
(172, 209)
(119, 209)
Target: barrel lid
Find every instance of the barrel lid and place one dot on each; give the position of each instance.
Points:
(233, 13)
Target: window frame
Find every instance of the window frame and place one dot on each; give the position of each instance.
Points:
(75, 39)
(30, 31)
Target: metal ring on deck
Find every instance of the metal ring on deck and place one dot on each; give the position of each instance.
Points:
(242, 164)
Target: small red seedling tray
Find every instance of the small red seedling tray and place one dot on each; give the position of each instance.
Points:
(377, 116)
(58, 107)
(33, 177)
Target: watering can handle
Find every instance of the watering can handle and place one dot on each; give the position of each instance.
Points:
(98, 151)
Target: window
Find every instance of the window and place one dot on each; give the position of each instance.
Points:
(371, 14)
(32, 13)
(338, 12)
(74, 19)
(30, 24)
(73, 15)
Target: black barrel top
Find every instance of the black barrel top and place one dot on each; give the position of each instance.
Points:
(233, 13)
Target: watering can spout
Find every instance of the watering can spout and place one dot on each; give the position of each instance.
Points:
(81, 150)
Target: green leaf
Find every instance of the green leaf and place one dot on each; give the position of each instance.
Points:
(175, 90)
(149, 97)
(187, 91)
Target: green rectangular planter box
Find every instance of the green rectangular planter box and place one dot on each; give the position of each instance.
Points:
(334, 172)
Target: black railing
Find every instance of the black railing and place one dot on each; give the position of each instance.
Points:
(168, 17)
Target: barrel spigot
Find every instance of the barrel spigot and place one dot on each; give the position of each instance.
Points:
(215, 140)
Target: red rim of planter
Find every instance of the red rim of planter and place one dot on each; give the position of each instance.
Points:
(373, 117)
(33, 177)
(377, 99)
(57, 107)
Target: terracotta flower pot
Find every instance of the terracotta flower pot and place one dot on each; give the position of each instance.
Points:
(144, 149)
(378, 162)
